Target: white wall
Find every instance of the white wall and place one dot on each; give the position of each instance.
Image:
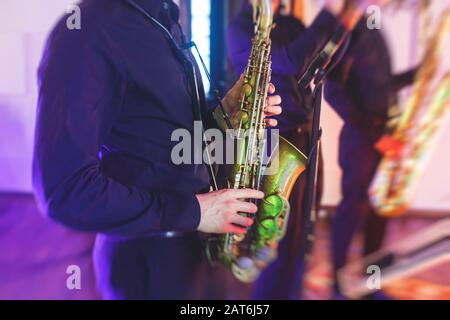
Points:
(24, 26)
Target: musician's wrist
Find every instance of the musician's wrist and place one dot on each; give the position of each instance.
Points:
(227, 106)
(230, 104)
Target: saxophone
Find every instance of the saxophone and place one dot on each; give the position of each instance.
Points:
(246, 255)
(405, 149)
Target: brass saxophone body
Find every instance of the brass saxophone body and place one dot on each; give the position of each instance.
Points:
(247, 255)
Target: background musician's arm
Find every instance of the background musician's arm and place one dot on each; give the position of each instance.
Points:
(404, 79)
(293, 59)
(337, 95)
(287, 60)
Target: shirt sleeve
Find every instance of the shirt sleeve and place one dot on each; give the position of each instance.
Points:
(81, 87)
(290, 59)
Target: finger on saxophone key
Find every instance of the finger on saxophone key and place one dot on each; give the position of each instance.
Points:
(225, 210)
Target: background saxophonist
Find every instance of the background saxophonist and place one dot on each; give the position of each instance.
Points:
(293, 47)
(102, 160)
(361, 90)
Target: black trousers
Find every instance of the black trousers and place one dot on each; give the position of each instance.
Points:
(358, 160)
(147, 268)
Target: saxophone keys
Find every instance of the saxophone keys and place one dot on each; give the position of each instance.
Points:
(243, 115)
(238, 237)
(247, 89)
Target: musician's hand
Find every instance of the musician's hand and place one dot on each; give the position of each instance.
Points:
(219, 210)
(231, 103)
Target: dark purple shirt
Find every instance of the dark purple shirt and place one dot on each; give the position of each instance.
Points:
(293, 47)
(110, 96)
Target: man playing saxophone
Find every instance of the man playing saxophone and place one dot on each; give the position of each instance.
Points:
(110, 96)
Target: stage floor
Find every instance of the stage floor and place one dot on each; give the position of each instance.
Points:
(431, 284)
(35, 254)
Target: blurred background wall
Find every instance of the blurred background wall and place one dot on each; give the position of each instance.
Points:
(25, 25)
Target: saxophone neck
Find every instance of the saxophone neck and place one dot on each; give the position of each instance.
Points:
(262, 16)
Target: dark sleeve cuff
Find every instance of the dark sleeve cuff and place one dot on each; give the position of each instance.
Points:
(182, 213)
